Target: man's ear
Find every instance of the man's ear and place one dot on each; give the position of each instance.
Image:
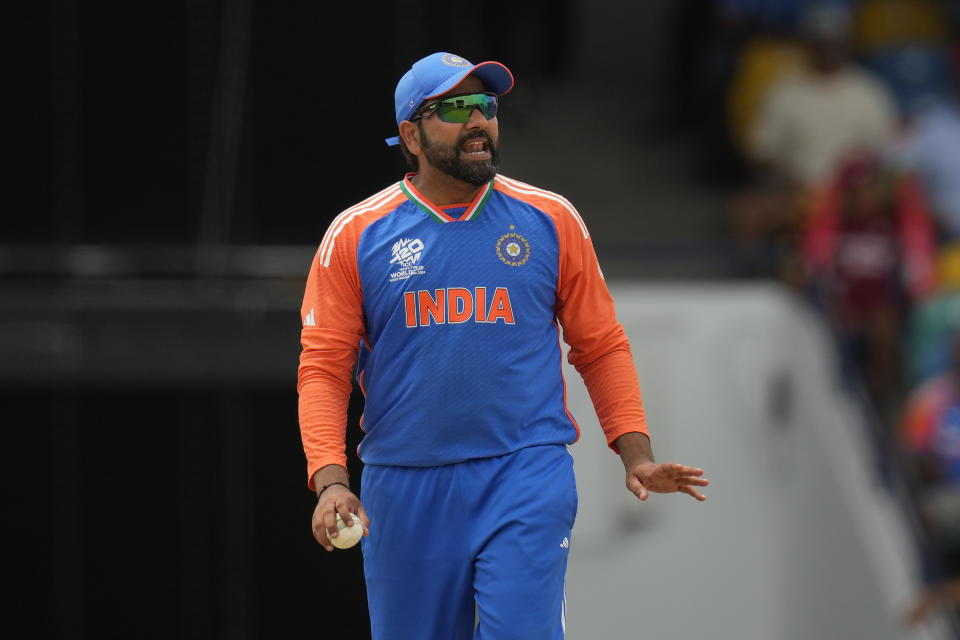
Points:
(410, 134)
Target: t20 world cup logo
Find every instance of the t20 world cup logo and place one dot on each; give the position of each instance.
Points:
(406, 252)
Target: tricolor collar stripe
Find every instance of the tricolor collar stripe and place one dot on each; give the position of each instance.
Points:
(439, 214)
(479, 203)
(432, 210)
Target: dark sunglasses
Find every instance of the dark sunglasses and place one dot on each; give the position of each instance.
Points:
(459, 108)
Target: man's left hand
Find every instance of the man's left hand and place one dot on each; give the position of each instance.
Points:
(668, 477)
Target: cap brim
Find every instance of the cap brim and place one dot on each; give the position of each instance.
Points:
(495, 76)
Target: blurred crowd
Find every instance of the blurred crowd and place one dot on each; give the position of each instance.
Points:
(841, 142)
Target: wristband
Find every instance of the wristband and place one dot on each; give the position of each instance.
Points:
(327, 486)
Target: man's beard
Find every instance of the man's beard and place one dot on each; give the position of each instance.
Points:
(447, 159)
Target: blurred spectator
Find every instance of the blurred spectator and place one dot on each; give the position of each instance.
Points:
(809, 121)
(930, 428)
(930, 438)
(933, 324)
(868, 250)
(930, 145)
(929, 433)
(932, 148)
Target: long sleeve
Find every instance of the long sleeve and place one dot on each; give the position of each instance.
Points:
(332, 315)
(599, 349)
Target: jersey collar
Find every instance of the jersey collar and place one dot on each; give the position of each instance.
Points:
(438, 214)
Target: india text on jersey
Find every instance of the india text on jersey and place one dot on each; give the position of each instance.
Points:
(455, 305)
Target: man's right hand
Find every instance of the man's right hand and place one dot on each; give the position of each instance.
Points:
(336, 499)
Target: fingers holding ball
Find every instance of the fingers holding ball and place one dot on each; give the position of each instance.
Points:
(347, 537)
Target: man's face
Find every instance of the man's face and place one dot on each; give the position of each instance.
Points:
(467, 151)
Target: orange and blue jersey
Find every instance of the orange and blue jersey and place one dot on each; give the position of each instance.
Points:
(457, 312)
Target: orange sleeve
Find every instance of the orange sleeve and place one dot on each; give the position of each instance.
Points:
(599, 348)
(332, 315)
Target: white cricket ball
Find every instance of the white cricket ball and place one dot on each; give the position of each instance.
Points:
(347, 536)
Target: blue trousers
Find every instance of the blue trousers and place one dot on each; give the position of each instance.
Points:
(491, 533)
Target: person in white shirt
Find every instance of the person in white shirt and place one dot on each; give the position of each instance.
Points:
(809, 122)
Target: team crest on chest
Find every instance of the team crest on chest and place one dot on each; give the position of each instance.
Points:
(513, 249)
(406, 256)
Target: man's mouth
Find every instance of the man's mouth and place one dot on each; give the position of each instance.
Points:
(476, 148)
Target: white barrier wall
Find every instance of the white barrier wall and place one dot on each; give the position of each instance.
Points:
(797, 539)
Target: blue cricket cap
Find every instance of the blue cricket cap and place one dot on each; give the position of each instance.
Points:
(438, 73)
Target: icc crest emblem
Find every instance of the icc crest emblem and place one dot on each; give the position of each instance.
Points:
(513, 249)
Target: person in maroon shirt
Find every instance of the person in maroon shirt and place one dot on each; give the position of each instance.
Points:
(868, 248)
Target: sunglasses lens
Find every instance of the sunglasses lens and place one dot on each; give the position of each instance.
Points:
(459, 108)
